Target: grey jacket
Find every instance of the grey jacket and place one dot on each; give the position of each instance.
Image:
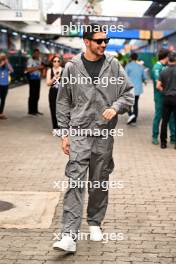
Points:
(82, 105)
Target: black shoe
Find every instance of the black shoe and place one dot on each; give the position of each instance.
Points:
(163, 145)
(32, 114)
(39, 113)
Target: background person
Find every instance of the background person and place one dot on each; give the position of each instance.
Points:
(137, 76)
(53, 81)
(158, 98)
(33, 70)
(167, 85)
(5, 70)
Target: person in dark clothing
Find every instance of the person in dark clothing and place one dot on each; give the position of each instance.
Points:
(53, 80)
(159, 66)
(33, 70)
(167, 84)
(5, 70)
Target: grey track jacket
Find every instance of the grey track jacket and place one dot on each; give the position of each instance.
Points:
(82, 104)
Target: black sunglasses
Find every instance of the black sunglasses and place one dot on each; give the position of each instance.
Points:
(100, 41)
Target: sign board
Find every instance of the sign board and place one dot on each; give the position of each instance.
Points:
(142, 23)
(16, 15)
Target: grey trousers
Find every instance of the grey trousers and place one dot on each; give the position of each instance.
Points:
(93, 154)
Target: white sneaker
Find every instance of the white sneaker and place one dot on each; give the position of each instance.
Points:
(95, 233)
(130, 119)
(66, 243)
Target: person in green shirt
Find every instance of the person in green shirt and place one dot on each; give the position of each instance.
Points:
(158, 98)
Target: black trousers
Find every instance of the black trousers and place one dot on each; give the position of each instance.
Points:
(34, 95)
(135, 108)
(169, 106)
(3, 95)
(52, 103)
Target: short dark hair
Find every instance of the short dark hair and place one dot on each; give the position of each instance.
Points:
(172, 56)
(134, 56)
(163, 53)
(36, 50)
(91, 29)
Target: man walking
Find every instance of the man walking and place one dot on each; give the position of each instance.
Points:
(158, 98)
(33, 70)
(166, 84)
(92, 107)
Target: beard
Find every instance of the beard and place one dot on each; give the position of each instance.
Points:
(99, 51)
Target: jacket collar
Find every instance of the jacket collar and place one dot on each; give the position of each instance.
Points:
(80, 65)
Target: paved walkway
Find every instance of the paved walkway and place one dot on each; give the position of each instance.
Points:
(144, 210)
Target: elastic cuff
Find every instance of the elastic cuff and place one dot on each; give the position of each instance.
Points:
(115, 107)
